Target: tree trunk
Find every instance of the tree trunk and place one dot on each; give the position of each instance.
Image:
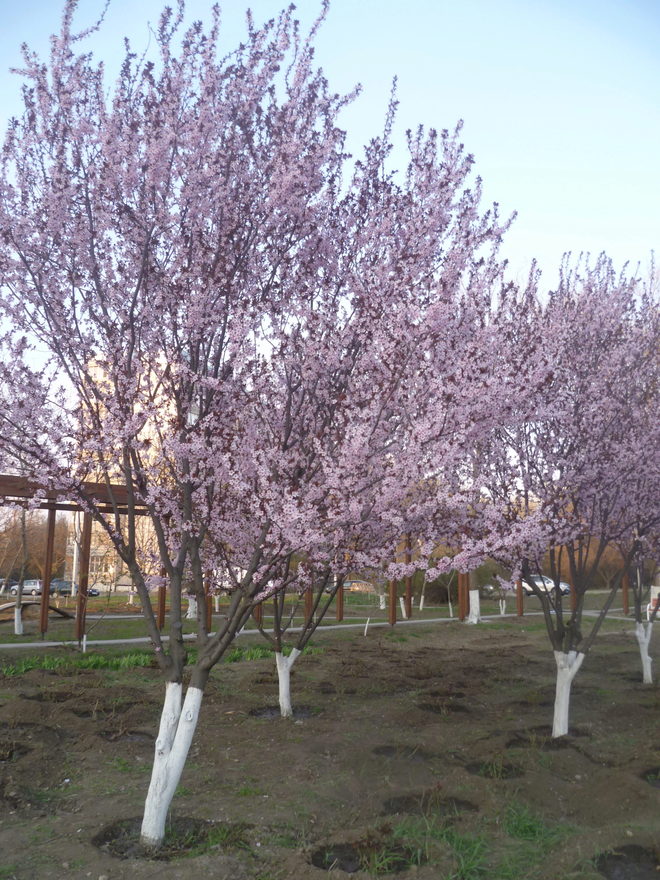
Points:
(191, 613)
(177, 726)
(643, 632)
(567, 667)
(502, 606)
(475, 607)
(284, 665)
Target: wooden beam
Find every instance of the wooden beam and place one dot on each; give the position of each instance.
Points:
(83, 578)
(520, 602)
(391, 607)
(407, 602)
(625, 586)
(48, 565)
(339, 602)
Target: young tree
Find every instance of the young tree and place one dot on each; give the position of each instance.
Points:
(233, 318)
(580, 468)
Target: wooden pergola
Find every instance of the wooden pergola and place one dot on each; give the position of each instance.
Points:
(107, 499)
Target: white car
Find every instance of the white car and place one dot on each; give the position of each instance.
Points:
(545, 584)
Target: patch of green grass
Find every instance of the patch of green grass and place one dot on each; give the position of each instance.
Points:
(48, 662)
(221, 836)
(8, 872)
(496, 768)
(260, 652)
(422, 835)
(522, 824)
(249, 791)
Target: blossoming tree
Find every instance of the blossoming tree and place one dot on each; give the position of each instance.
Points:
(230, 321)
(579, 468)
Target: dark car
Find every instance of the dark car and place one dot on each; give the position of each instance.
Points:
(62, 587)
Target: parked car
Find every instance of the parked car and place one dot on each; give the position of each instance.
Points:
(30, 588)
(545, 584)
(61, 587)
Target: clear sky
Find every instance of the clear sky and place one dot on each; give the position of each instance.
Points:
(559, 98)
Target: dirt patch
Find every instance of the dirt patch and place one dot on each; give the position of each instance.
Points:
(489, 784)
(629, 863)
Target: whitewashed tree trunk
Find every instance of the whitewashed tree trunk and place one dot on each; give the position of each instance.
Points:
(567, 667)
(382, 601)
(177, 726)
(475, 607)
(421, 598)
(643, 632)
(402, 603)
(502, 606)
(191, 613)
(18, 621)
(284, 665)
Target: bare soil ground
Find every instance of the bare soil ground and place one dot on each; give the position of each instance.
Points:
(423, 750)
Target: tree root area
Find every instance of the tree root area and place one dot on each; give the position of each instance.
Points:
(363, 781)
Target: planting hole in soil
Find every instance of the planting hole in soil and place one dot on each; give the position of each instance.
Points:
(426, 803)
(10, 750)
(495, 769)
(629, 863)
(299, 712)
(374, 854)
(184, 837)
(652, 776)
(126, 736)
(540, 737)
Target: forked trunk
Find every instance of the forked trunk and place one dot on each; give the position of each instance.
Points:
(567, 667)
(502, 606)
(643, 632)
(284, 665)
(177, 726)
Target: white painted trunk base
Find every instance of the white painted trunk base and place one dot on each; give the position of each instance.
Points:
(474, 615)
(502, 606)
(284, 665)
(643, 633)
(191, 613)
(402, 603)
(567, 667)
(382, 601)
(177, 726)
(18, 621)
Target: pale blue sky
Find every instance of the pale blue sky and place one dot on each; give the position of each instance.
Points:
(559, 98)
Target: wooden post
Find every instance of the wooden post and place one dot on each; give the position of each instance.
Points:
(209, 601)
(258, 613)
(391, 616)
(48, 565)
(463, 582)
(81, 598)
(309, 604)
(408, 582)
(162, 592)
(519, 598)
(625, 585)
(339, 602)
(573, 592)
